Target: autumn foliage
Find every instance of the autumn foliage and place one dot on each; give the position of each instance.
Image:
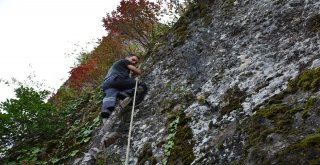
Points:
(82, 73)
(133, 19)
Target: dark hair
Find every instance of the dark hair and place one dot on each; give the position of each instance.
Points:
(131, 55)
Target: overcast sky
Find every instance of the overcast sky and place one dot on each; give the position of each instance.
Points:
(37, 35)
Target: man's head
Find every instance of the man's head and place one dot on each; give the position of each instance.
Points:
(133, 58)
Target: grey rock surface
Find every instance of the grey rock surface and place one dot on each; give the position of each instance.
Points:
(244, 52)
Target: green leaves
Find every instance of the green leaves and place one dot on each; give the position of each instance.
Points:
(172, 132)
(26, 117)
(35, 150)
(74, 153)
(54, 160)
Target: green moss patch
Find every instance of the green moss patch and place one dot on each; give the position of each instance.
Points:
(233, 97)
(274, 119)
(201, 99)
(313, 23)
(180, 30)
(307, 151)
(227, 4)
(179, 146)
(146, 155)
(105, 159)
(280, 115)
(308, 106)
(307, 80)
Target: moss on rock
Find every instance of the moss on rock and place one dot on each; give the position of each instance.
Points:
(307, 151)
(277, 117)
(313, 23)
(180, 30)
(307, 80)
(146, 155)
(183, 149)
(106, 159)
(227, 4)
(201, 99)
(233, 99)
(181, 143)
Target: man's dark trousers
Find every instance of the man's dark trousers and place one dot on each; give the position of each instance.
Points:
(112, 85)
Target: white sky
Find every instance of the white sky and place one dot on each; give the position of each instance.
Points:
(36, 35)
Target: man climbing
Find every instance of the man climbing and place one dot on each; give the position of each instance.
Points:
(119, 84)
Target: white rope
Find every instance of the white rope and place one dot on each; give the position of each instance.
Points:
(131, 121)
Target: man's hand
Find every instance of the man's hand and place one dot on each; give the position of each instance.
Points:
(135, 70)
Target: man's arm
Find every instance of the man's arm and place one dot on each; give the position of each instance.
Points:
(135, 70)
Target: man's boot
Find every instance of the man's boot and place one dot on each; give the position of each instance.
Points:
(106, 112)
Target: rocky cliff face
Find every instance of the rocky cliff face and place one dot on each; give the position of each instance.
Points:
(234, 81)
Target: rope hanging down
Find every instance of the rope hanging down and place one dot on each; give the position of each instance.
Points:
(131, 121)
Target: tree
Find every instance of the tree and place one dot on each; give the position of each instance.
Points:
(134, 19)
(26, 118)
(82, 74)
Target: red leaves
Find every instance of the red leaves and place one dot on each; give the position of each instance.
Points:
(134, 19)
(81, 74)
